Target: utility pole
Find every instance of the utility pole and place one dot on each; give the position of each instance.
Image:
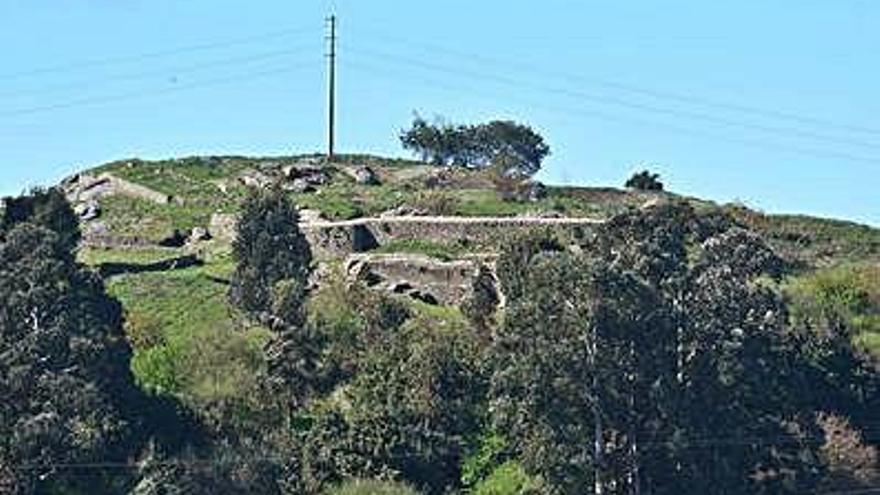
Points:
(331, 88)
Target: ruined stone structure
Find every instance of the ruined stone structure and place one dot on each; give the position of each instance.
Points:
(418, 276)
(337, 239)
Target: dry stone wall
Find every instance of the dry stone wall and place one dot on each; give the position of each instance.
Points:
(338, 239)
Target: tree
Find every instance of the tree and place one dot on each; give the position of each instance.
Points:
(272, 260)
(517, 147)
(272, 268)
(408, 411)
(658, 348)
(644, 181)
(46, 208)
(69, 396)
(482, 302)
(522, 148)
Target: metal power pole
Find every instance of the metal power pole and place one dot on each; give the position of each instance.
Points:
(331, 88)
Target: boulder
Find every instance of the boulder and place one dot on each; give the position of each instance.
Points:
(88, 210)
(299, 185)
(255, 179)
(198, 234)
(365, 176)
(310, 216)
(404, 211)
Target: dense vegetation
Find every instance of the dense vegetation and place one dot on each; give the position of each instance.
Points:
(679, 348)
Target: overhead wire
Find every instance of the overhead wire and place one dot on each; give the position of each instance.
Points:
(100, 62)
(99, 100)
(383, 71)
(165, 72)
(614, 101)
(484, 60)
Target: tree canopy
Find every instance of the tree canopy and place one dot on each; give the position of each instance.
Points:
(504, 143)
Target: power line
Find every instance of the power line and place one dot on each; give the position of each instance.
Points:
(629, 88)
(171, 71)
(384, 72)
(157, 54)
(141, 94)
(612, 101)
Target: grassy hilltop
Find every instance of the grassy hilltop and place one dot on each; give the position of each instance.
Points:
(189, 342)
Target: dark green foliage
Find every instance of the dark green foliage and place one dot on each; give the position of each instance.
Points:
(45, 208)
(412, 403)
(644, 181)
(515, 257)
(68, 394)
(272, 257)
(662, 348)
(478, 146)
(272, 268)
(482, 302)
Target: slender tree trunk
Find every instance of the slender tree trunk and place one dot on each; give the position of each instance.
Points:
(598, 441)
(597, 453)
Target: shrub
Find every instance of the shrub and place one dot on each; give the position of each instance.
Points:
(434, 202)
(847, 295)
(508, 479)
(645, 181)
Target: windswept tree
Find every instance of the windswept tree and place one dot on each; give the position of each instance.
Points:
(515, 147)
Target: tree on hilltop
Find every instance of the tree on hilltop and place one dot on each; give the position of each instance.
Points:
(518, 147)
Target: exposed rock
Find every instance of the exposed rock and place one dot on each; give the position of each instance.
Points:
(299, 185)
(88, 210)
(364, 175)
(85, 187)
(403, 211)
(255, 179)
(95, 229)
(417, 276)
(314, 175)
(198, 234)
(222, 226)
(310, 216)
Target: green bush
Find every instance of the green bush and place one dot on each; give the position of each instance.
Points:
(845, 295)
(371, 487)
(508, 479)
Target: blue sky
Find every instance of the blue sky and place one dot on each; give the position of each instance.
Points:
(769, 102)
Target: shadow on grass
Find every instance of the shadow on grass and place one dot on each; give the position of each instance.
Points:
(111, 269)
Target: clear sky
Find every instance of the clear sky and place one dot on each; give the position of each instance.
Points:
(769, 102)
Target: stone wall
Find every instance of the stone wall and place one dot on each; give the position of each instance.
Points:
(338, 239)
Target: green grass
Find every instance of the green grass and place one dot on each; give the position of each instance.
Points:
(815, 241)
(187, 341)
(132, 217)
(138, 256)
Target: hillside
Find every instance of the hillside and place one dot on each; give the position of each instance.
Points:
(160, 233)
